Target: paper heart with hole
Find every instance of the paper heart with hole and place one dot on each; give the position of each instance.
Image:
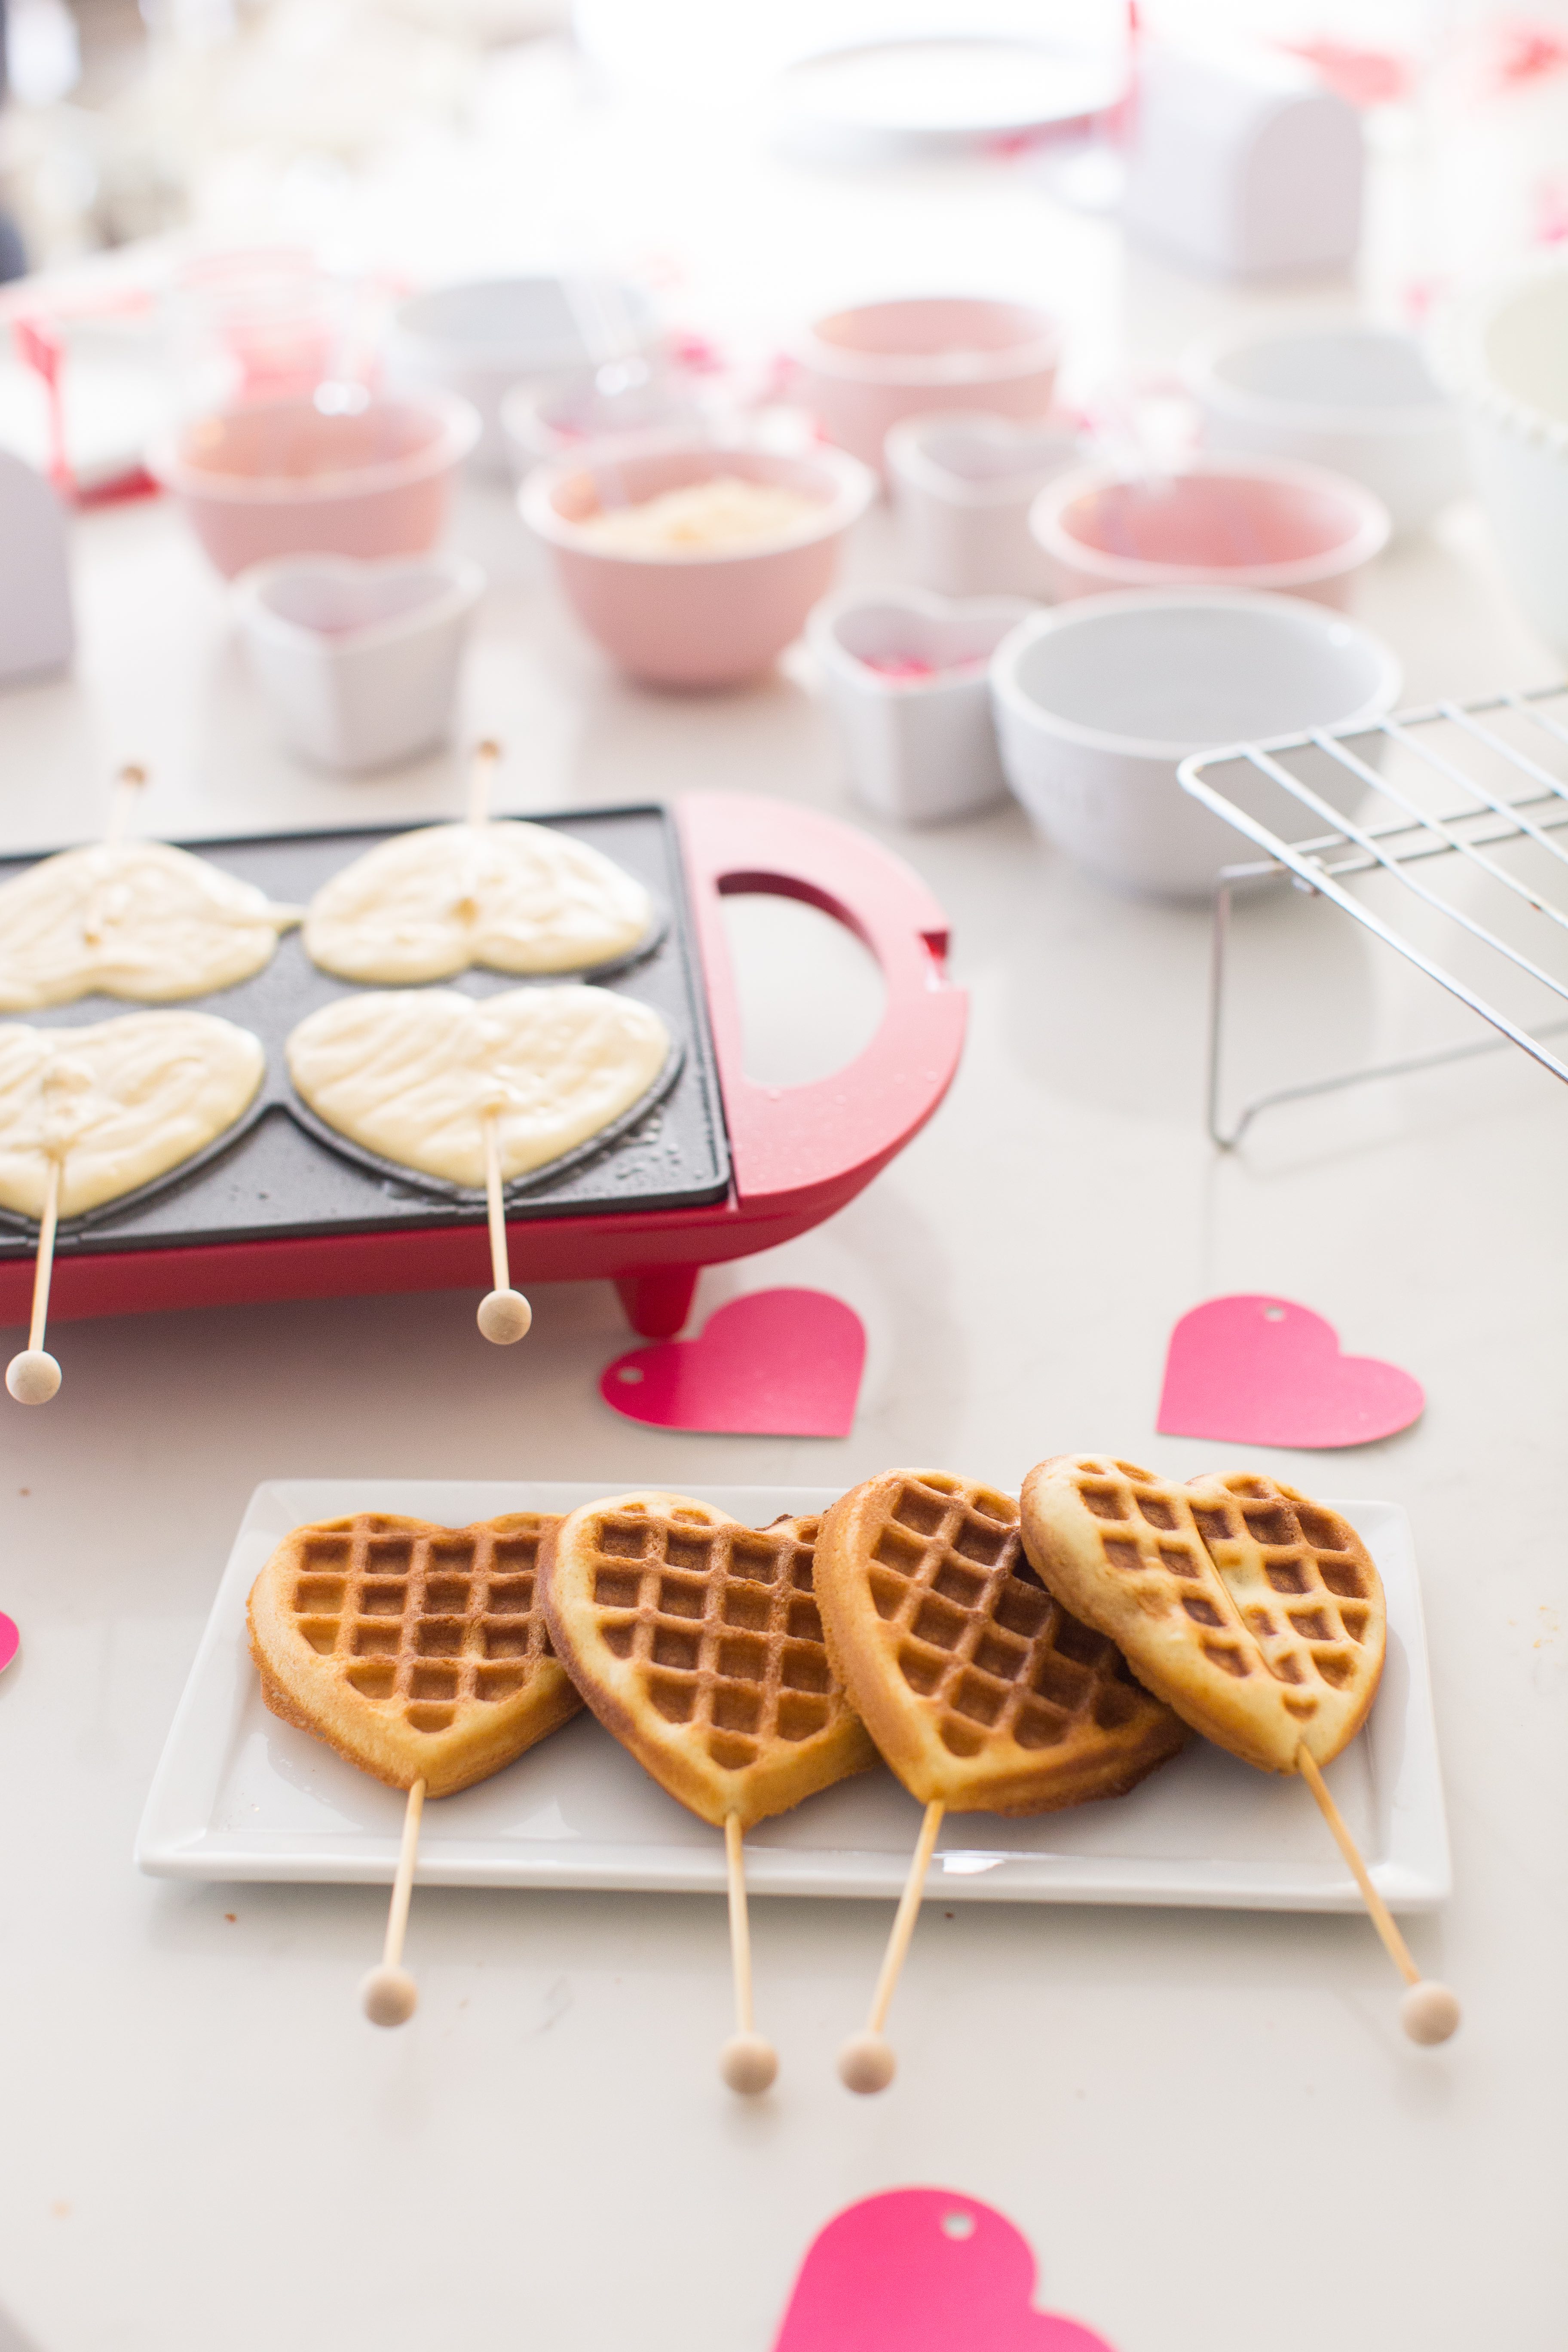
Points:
(1258, 1371)
(923, 2269)
(776, 1363)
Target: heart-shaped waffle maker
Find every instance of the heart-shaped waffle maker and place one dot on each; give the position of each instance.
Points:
(980, 1690)
(116, 1103)
(417, 1652)
(696, 1640)
(1254, 1612)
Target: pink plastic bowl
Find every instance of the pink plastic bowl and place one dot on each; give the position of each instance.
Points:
(865, 369)
(296, 477)
(693, 620)
(1219, 522)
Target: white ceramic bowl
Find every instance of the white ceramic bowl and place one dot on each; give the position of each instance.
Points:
(964, 482)
(1210, 522)
(1358, 398)
(358, 661)
(866, 368)
(905, 677)
(481, 336)
(681, 618)
(1098, 702)
(546, 422)
(1505, 353)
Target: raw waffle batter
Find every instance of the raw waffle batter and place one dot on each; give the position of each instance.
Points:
(415, 1077)
(513, 896)
(130, 918)
(117, 1103)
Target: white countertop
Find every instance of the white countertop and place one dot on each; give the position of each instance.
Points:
(205, 2146)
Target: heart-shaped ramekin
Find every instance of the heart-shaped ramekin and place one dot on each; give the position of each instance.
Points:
(905, 674)
(962, 484)
(358, 661)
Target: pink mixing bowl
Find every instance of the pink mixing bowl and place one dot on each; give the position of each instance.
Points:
(865, 369)
(1217, 522)
(303, 477)
(683, 619)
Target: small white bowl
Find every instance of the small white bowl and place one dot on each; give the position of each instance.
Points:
(964, 482)
(1505, 353)
(906, 678)
(1099, 701)
(1357, 398)
(481, 336)
(359, 661)
(546, 422)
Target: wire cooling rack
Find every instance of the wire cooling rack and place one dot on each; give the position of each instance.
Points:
(1444, 832)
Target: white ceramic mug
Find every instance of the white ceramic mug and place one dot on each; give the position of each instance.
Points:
(906, 678)
(1099, 702)
(1505, 353)
(359, 661)
(964, 483)
(1340, 393)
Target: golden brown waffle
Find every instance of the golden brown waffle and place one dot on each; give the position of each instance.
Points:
(978, 1687)
(417, 1652)
(697, 1641)
(1256, 1612)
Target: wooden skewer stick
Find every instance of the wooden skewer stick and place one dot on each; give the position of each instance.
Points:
(388, 1995)
(482, 776)
(33, 1377)
(128, 786)
(504, 1314)
(866, 2062)
(747, 2062)
(1429, 2011)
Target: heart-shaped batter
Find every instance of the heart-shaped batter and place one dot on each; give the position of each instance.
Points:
(513, 896)
(415, 1076)
(130, 918)
(1254, 1612)
(117, 1103)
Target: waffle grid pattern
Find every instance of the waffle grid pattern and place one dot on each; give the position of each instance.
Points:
(722, 1623)
(1299, 1598)
(424, 1624)
(980, 1638)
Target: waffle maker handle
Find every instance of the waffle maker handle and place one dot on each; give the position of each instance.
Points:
(797, 1148)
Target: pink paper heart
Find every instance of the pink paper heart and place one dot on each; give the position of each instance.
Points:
(776, 1363)
(923, 2269)
(10, 1641)
(1264, 1371)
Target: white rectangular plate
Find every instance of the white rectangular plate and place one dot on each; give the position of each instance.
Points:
(240, 1795)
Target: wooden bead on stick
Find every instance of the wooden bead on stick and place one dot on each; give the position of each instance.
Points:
(867, 2063)
(747, 2062)
(505, 1316)
(1430, 2012)
(33, 1377)
(388, 1995)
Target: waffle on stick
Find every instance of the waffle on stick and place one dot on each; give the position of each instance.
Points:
(1256, 1612)
(980, 1691)
(696, 1643)
(420, 1653)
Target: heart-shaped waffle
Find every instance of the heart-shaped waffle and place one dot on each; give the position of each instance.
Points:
(1254, 1612)
(137, 918)
(697, 1641)
(980, 1690)
(515, 897)
(412, 1076)
(417, 1652)
(117, 1103)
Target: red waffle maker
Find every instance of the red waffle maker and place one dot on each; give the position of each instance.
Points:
(796, 1154)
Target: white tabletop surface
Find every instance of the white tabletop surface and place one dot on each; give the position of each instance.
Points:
(1208, 2123)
